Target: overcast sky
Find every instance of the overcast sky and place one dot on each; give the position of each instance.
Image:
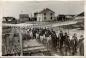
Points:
(59, 7)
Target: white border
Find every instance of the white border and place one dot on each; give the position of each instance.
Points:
(42, 56)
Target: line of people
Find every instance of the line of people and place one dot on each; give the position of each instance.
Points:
(60, 42)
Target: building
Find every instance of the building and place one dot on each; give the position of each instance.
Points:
(80, 20)
(63, 17)
(45, 15)
(23, 18)
(10, 20)
(79, 17)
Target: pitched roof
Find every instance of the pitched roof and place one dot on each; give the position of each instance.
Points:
(81, 14)
(66, 15)
(8, 18)
(45, 10)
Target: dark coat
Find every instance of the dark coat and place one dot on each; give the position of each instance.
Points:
(74, 42)
(47, 33)
(66, 40)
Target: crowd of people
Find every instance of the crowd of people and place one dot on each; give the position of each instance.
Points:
(60, 42)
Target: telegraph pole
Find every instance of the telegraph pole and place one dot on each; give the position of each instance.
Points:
(21, 42)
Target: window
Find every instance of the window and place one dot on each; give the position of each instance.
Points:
(51, 17)
(44, 13)
(44, 17)
(18, 40)
(51, 14)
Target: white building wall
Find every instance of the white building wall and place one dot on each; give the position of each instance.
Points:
(40, 17)
(48, 17)
(79, 17)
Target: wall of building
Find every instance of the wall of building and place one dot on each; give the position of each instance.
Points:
(79, 17)
(39, 17)
(47, 17)
(24, 19)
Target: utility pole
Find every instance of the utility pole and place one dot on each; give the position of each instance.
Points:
(21, 42)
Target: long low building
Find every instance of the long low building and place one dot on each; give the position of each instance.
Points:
(63, 17)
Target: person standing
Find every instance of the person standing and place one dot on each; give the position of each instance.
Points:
(81, 45)
(75, 42)
(66, 43)
(54, 40)
(61, 39)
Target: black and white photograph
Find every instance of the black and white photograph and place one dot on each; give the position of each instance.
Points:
(43, 28)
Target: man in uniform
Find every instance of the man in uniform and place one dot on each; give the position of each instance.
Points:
(81, 45)
(75, 42)
(54, 39)
(66, 43)
(61, 38)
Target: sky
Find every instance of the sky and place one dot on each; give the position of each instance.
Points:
(14, 8)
